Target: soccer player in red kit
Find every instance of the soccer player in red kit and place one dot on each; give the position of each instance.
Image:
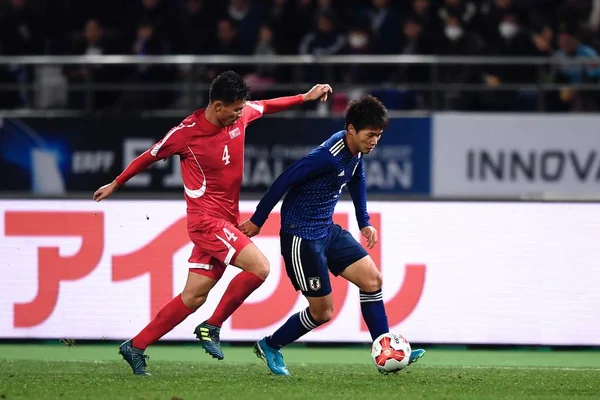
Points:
(210, 144)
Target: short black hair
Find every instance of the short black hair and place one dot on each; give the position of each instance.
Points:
(229, 87)
(367, 112)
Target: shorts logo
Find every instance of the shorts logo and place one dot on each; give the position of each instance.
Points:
(234, 133)
(314, 283)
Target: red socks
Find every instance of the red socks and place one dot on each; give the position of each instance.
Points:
(174, 312)
(240, 287)
(171, 315)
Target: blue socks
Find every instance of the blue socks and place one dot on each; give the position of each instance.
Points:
(295, 327)
(373, 312)
(299, 324)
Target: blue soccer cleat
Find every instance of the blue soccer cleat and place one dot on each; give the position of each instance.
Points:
(209, 338)
(415, 355)
(271, 356)
(135, 358)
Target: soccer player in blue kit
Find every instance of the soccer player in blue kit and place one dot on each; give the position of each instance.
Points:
(311, 244)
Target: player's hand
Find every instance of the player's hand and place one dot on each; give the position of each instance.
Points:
(371, 234)
(319, 91)
(106, 191)
(248, 228)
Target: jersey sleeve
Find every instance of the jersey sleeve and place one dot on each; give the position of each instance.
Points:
(173, 143)
(256, 109)
(316, 163)
(142, 162)
(358, 191)
(253, 110)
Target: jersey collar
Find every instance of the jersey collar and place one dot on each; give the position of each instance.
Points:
(347, 149)
(204, 124)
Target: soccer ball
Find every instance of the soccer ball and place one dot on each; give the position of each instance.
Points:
(390, 352)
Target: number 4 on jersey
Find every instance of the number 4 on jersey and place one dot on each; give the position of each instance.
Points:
(226, 156)
(229, 235)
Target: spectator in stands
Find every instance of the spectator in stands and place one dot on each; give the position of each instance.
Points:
(265, 74)
(385, 24)
(458, 41)
(197, 27)
(228, 43)
(464, 10)
(19, 36)
(284, 23)
(149, 42)
(544, 12)
(325, 39)
(512, 40)
(238, 27)
(297, 24)
(93, 41)
(543, 39)
(247, 17)
(413, 42)
(358, 42)
(492, 13)
(423, 12)
(571, 47)
(158, 14)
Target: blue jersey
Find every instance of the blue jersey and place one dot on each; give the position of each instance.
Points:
(314, 185)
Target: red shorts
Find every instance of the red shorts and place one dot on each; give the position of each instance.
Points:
(217, 243)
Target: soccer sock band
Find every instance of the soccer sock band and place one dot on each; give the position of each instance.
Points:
(373, 312)
(294, 328)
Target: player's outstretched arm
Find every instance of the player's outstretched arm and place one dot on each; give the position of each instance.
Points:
(135, 167)
(317, 162)
(318, 92)
(174, 141)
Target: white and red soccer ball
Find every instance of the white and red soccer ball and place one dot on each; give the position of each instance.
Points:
(390, 352)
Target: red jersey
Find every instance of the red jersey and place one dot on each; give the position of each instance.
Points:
(212, 158)
(212, 161)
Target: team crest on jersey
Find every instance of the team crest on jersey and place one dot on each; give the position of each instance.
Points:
(235, 133)
(314, 283)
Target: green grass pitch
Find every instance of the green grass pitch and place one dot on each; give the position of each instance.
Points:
(46, 371)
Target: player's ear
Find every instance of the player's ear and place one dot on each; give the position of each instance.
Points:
(351, 129)
(219, 105)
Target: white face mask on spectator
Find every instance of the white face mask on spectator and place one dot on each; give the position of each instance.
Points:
(508, 30)
(453, 32)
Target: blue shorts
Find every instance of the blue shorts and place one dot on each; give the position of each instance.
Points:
(308, 262)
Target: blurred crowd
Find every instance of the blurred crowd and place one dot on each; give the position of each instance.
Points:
(560, 28)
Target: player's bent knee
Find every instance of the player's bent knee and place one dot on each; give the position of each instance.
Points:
(262, 268)
(372, 282)
(192, 300)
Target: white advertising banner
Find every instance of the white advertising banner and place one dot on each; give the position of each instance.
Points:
(516, 155)
(474, 272)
